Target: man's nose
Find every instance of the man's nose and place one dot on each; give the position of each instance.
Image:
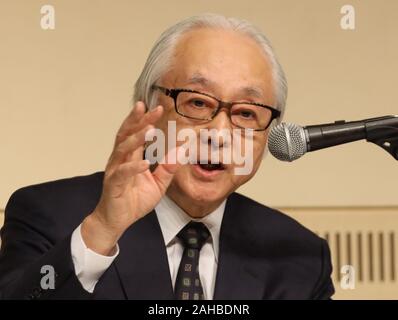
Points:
(222, 123)
(221, 120)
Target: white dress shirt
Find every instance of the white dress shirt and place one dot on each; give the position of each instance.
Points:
(89, 265)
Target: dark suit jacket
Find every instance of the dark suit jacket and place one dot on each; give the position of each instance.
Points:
(264, 254)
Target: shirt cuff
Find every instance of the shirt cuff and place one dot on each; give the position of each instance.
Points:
(89, 265)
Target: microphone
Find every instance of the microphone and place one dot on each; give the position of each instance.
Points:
(289, 141)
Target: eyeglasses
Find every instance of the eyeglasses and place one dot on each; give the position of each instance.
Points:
(202, 106)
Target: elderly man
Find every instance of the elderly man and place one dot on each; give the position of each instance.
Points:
(169, 230)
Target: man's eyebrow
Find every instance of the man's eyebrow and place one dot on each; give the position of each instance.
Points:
(197, 78)
(250, 91)
(254, 92)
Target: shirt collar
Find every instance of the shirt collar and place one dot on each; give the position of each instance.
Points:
(172, 219)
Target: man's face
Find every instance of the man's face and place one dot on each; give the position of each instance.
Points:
(223, 64)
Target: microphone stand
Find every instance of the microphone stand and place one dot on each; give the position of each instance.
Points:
(384, 135)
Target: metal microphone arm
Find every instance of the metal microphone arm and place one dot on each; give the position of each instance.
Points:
(385, 135)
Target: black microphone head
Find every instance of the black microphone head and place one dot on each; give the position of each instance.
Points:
(287, 142)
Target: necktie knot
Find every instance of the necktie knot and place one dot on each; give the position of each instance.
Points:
(194, 235)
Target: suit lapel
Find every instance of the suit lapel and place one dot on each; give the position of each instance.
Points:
(240, 275)
(142, 264)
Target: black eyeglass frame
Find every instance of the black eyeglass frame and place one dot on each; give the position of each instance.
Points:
(173, 93)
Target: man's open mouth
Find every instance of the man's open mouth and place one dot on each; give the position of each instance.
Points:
(211, 166)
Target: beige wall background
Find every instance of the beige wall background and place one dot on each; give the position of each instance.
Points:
(64, 93)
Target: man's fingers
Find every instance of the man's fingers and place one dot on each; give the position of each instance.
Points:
(128, 146)
(148, 118)
(123, 175)
(133, 118)
(166, 170)
(137, 120)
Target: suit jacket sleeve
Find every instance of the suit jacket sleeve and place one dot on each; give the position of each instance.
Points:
(324, 288)
(27, 246)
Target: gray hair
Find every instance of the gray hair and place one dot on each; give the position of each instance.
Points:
(159, 58)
